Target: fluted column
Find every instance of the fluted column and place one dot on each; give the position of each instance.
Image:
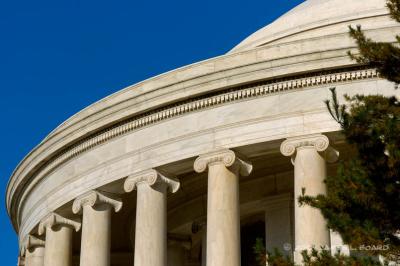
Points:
(96, 227)
(309, 155)
(151, 216)
(58, 247)
(223, 217)
(34, 251)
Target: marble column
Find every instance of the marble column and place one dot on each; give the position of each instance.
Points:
(34, 251)
(223, 217)
(309, 155)
(278, 224)
(96, 227)
(151, 216)
(58, 247)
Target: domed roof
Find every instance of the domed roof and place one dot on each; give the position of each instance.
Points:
(312, 15)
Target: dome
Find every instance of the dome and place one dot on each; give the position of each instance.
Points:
(314, 18)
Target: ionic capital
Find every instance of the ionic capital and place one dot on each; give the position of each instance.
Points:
(55, 219)
(31, 242)
(93, 198)
(317, 141)
(226, 157)
(150, 177)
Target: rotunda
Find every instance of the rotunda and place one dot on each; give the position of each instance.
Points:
(191, 166)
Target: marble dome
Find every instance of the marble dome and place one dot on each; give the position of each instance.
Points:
(314, 19)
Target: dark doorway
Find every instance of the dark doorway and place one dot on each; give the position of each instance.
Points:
(250, 231)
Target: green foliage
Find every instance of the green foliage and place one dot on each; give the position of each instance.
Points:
(385, 57)
(311, 258)
(324, 258)
(363, 199)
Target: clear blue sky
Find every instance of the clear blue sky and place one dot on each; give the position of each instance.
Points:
(57, 57)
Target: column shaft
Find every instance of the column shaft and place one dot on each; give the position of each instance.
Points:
(223, 220)
(151, 216)
(151, 225)
(309, 155)
(34, 256)
(310, 225)
(96, 235)
(58, 248)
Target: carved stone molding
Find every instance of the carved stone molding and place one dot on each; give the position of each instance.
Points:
(150, 177)
(31, 242)
(318, 141)
(93, 198)
(226, 157)
(55, 219)
(259, 89)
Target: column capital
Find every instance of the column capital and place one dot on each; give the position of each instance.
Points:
(53, 219)
(226, 157)
(318, 141)
(31, 242)
(150, 177)
(93, 198)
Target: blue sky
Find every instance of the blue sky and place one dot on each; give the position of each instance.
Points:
(57, 57)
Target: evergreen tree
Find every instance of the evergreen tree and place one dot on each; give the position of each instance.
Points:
(363, 198)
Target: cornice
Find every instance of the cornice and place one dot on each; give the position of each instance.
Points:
(240, 93)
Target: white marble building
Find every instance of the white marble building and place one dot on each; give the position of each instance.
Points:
(189, 167)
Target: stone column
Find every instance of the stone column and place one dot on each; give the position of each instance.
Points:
(96, 227)
(151, 216)
(58, 248)
(223, 217)
(278, 224)
(34, 251)
(308, 156)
